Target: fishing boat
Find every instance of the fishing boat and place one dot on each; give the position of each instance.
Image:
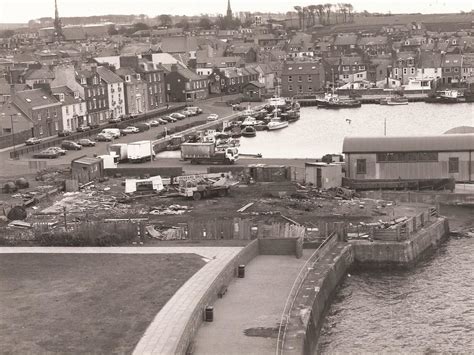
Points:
(249, 121)
(290, 116)
(446, 97)
(249, 131)
(337, 103)
(323, 100)
(394, 101)
(276, 123)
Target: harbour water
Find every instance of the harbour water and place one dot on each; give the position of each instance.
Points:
(322, 131)
(426, 310)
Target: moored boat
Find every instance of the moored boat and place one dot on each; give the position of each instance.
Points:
(341, 103)
(446, 97)
(394, 101)
(323, 100)
(249, 131)
(275, 124)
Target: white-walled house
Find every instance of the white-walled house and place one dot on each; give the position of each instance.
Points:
(115, 91)
(73, 107)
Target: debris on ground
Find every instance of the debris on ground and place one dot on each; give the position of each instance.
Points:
(166, 233)
(169, 210)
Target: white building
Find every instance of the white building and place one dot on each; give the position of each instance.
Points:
(74, 109)
(115, 90)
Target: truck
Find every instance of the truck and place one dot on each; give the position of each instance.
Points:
(201, 187)
(207, 153)
(120, 150)
(138, 152)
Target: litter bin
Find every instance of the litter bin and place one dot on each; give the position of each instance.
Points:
(241, 271)
(209, 314)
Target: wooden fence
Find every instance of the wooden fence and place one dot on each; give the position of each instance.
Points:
(242, 229)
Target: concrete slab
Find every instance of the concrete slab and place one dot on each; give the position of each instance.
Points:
(246, 318)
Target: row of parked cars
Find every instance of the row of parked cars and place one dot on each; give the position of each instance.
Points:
(109, 134)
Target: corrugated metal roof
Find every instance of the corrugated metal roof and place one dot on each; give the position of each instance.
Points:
(87, 160)
(449, 142)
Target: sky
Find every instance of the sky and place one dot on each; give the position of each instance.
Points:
(20, 11)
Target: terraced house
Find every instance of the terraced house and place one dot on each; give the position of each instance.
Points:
(73, 107)
(115, 91)
(95, 94)
(42, 109)
(182, 84)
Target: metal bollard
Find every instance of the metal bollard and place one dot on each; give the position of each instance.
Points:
(241, 271)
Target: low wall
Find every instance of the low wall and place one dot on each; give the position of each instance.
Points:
(224, 278)
(139, 171)
(400, 254)
(281, 246)
(431, 197)
(313, 300)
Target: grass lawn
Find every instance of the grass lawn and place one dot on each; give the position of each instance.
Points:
(85, 303)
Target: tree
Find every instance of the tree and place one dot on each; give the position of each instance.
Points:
(350, 8)
(140, 26)
(111, 30)
(312, 13)
(300, 15)
(328, 8)
(165, 20)
(184, 24)
(320, 11)
(205, 23)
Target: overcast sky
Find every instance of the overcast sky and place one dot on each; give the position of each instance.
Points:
(13, 11)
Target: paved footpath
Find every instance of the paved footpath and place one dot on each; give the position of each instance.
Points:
(254, 305)
(164, 332)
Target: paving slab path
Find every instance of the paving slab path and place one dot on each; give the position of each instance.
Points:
(246, 318)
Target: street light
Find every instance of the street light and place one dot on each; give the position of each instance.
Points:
(13, 131)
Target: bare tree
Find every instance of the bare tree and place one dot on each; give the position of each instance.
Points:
(300, 15)
(320, 11)
(350, 8)
(328, 8)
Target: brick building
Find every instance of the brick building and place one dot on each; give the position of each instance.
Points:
(302, 78)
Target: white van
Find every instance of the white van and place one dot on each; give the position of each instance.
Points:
(114, 132)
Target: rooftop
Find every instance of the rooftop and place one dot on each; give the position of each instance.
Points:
(448, 142)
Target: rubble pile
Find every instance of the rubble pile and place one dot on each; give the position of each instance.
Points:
(169, 210)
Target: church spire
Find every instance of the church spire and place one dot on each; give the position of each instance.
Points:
(58, 31)
(229, 10)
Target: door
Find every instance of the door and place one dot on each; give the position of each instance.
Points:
(319, 182)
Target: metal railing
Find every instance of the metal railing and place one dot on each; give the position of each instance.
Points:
(295, 289)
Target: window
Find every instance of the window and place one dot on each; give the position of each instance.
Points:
(456, 70)
(56, 126)
(290, 87)
(346, 76)
(127, 78)
(310, 89)
(300, 88)
(453, 165)
(290, 78)
(67, 110)
(412, 70)
(310, 78)
(300, 78)
(405, 71)
(346, 68)
(41, 130)
(361, 166)
(361, 67)
(138, 76)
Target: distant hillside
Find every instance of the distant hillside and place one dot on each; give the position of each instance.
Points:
(12, 26)
(433, 22)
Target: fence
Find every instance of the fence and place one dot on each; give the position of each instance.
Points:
(327, 244)
(243, 229)
(399, 232)
(78, 135)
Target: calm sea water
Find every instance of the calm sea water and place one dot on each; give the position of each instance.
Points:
(321, 131)
(426, 310)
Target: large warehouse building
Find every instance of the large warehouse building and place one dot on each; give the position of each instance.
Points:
(417, 157)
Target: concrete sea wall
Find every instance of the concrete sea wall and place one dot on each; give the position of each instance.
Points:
(400, 254)
(305, 318)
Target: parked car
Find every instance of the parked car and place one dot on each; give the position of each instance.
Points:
(195, 109)
(130, 129)
(46, 154)
(162, 121)
(58, 150)
(104, 137)
(114, 132)
(142, 127)
(169, 118)
(85, 142)
(64, 133)
(154, 123)
(70, 145)
(212, 117)
(32, 141)
(188, 113)
(178, 116)
(115, 120)
(83, 128)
